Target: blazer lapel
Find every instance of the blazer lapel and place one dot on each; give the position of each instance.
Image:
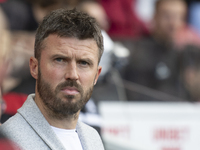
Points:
(82, 138)
(36, 120)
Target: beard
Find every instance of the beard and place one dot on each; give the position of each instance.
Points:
(63, 106)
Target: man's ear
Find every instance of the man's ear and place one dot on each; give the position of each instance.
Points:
(33, 64)
(97, 74)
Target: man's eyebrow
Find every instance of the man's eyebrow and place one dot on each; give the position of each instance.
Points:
(60, 56)
(90, 61)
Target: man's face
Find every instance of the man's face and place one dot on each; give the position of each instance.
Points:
(67, 72)
(170, 18)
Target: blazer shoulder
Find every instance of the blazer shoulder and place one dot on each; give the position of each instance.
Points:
(15, 121)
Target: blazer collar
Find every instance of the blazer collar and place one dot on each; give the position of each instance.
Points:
(36, 120)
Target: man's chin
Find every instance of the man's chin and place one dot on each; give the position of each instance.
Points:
(69, 99)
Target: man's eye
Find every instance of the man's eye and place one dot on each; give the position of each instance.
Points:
(59, 59)
(84, 63)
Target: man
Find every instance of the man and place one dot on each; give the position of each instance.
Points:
(68, 48)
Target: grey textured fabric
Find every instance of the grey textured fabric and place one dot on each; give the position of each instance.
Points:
(30, 130)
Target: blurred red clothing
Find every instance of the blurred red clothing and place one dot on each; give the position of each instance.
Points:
(124, 22)
(6, 145)
(13, 102)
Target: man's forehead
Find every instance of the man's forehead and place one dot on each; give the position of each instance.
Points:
(57, 38)
(71, 43)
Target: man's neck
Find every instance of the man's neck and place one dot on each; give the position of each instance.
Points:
(67, 123)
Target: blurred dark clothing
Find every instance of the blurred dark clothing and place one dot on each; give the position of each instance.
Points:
(26, 86)
(124, 22)
(19, 14)
(153, 64)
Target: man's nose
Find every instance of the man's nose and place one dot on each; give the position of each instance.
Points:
(71, 72)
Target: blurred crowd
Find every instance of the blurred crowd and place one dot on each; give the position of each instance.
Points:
(152, 49)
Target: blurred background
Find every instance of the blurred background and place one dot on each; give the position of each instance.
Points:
(147, 96)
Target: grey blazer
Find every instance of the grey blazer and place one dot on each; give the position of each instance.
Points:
(29, 130)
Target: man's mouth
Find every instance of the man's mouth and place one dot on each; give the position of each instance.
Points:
(70, 90)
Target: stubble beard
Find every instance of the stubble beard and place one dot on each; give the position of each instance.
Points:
(62, 108)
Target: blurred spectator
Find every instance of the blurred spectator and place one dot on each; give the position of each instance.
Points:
(123, 20)
(154, 60)
(5, 144)
(169, 18)
(4, 60)
(5, 48)
(5, 57)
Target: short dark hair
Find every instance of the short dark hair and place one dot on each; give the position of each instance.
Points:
(68, 23)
